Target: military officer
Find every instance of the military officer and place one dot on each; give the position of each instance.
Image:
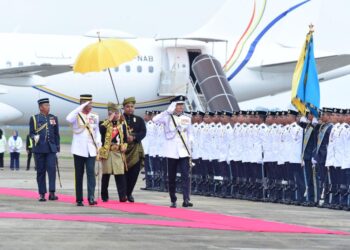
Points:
(146, 142)
(177, 148)
(134, 153)
(44, 130)
(320, 155)
(85, 145)
(310, 125)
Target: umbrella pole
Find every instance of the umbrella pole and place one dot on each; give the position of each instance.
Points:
(115, 91)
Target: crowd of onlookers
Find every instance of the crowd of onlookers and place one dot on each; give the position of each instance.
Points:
(14, 145)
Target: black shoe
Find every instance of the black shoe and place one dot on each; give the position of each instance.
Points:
(130, 198)
(124, 199)
(187, 204)
(92, 202)
(105, 199)
(42, 197)
(173, 205)
(80, 204)
(27, 169)
(52, 196)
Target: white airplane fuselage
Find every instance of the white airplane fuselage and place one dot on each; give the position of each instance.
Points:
(140, 77)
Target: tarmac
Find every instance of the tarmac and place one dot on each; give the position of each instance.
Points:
(52, 234)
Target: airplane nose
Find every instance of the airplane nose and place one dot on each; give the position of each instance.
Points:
(8, 113)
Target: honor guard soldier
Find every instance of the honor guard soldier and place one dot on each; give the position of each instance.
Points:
(320, 155)
(177, 147)
(149, 176)
(43, 128)
(134, 153)
(85, 145)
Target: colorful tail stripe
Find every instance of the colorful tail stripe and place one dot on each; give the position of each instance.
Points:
(261, 34)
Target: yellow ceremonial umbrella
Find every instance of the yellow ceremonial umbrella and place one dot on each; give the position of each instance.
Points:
(104, 54)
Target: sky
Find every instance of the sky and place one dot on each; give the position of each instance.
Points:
(150, 18)
(76, 17)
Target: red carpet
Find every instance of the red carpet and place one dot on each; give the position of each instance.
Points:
(189, 218)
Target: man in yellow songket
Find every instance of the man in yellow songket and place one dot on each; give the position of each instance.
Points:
(112, 153)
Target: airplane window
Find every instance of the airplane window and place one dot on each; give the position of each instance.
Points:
(9, 64)
(116, 69)
(127, 68)
(150, 69)
(139, 69)
(20, 63)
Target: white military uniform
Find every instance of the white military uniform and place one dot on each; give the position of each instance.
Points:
(195, 146)
(173, 146)
(333, 157)
(82, 143)
(295, 143)
(346, 146)
(148, 138)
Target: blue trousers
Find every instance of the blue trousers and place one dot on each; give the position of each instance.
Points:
(183, 165)
(80, 163)
(46, 162)
(14, 164)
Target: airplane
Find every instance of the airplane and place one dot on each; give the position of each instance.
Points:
(258, 54)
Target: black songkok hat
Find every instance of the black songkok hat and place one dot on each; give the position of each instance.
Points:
(85, 97)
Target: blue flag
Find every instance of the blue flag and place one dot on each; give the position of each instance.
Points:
(307, 94)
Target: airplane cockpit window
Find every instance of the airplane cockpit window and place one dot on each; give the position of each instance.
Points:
(127, 68)
(150, 69)
(20, 63)
(8, 64)
(139, 69)
(116, 69)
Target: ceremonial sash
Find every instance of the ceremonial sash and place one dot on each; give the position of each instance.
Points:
(36, 129)
(321, 135)
(306, 139)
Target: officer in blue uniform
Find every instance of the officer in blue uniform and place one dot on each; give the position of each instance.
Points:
(44, 130)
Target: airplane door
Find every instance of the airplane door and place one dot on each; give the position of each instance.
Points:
(175, 76)
(178, 60)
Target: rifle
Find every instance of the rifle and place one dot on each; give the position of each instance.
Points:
(315, 182)
(306, 193)
(264, 183)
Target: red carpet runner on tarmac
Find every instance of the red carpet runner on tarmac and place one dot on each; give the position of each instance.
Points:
(187, 218)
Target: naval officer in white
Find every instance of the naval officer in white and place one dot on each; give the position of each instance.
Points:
(85, 145)
(177, 147)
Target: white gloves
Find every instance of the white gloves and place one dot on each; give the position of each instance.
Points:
(314, 162)
(314, 121)
(171, 108)
(36, 138)
(304, 119)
